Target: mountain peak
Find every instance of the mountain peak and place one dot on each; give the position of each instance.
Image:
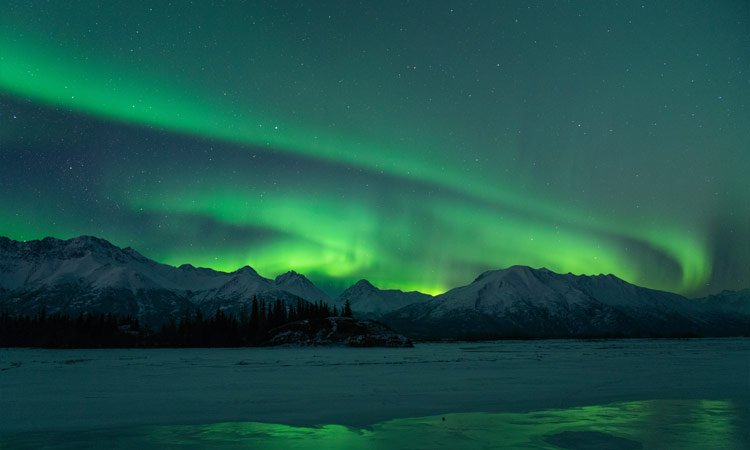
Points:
(77, 247)
(359, 289)
(291, 276)
(611, 277)
(526, 269)
(246, 270)
(364, 284)
(373, 302)
(516, 269)
(87, 241)
(300, 285)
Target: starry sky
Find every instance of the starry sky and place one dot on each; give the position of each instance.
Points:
(413, 143)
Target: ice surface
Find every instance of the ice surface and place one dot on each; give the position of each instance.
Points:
(68, 390)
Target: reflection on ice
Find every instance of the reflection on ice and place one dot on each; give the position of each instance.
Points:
(592, 440)
(656, 424)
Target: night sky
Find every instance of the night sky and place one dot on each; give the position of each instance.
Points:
(415, 144)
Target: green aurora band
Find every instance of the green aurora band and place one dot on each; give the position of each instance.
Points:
(475, 218)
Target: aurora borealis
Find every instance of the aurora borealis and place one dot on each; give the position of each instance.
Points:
(415, 144)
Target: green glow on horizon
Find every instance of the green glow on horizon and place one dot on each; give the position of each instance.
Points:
(343, 242)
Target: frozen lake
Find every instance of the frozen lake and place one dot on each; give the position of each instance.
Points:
(511, 394)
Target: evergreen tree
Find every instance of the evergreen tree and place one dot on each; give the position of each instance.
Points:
(347, 309)
(191, 329)
(254, 314)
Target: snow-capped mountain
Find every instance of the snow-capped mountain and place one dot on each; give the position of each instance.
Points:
(368, 301)
(300, 286)
(91, 274)
(525, 302)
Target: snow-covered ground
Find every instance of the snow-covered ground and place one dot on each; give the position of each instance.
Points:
(65, 391)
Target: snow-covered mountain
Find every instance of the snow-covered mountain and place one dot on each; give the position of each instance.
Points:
(367, 301)
(525, 302)
(300, 286)
(90, 274)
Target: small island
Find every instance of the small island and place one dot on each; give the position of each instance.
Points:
(342, 331)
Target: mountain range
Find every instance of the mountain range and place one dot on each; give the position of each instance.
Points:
(537, 303)
(90, 275)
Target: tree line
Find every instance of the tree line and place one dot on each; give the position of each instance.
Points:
(250, 327)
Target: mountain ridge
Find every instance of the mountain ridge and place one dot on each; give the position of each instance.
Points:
(524, 302)
(89, 274)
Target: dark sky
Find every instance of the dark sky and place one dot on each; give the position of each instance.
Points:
(415, 144)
